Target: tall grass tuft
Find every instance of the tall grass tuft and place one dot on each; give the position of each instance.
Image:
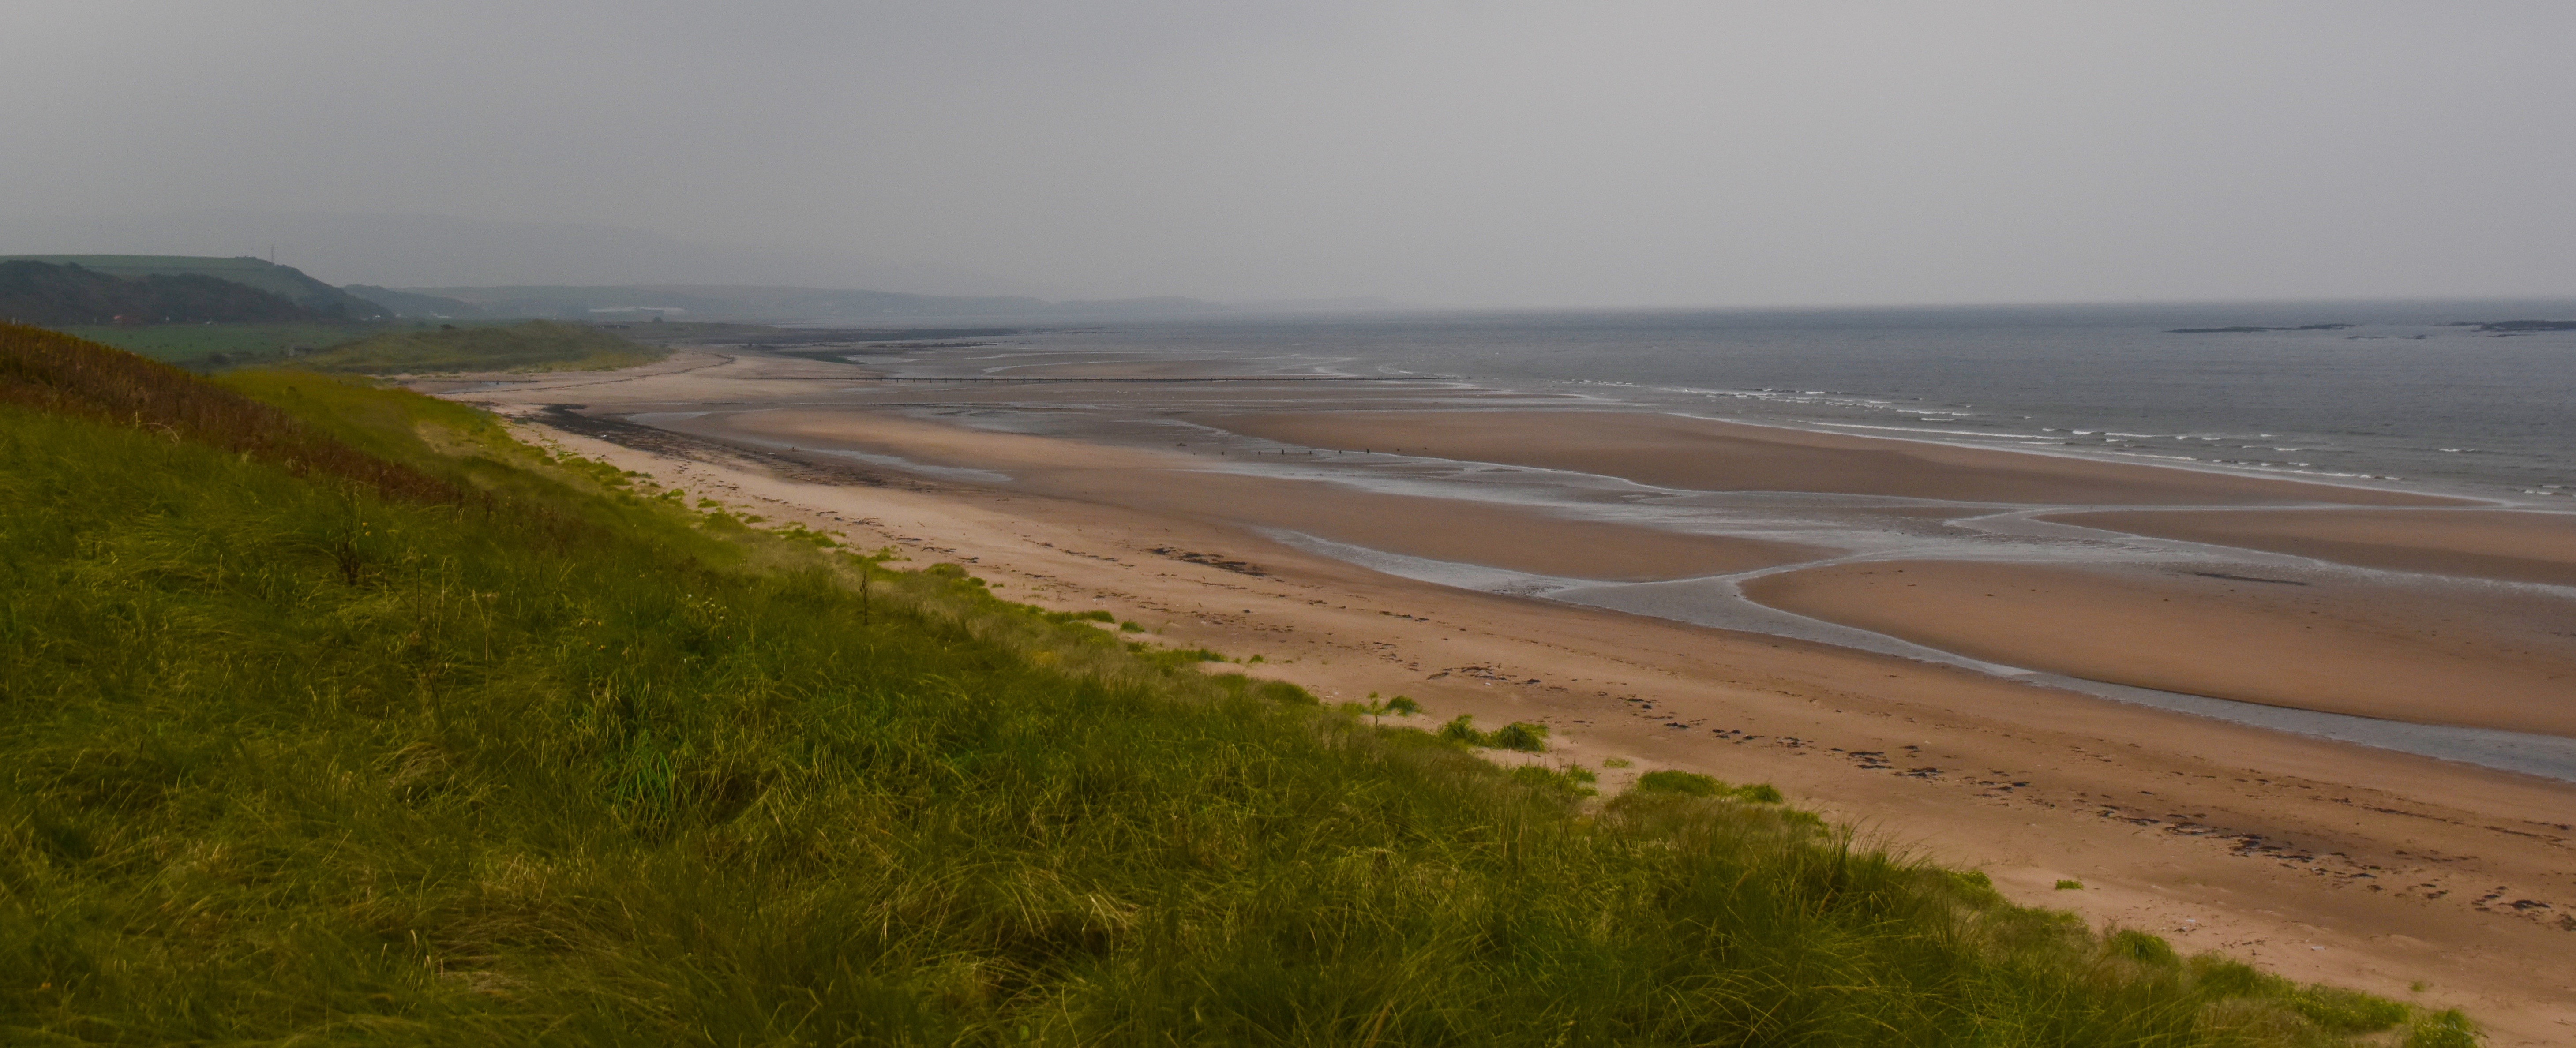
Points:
(289, 759)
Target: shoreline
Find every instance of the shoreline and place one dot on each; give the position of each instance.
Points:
(2542, 755)
(2217, 487)
(2249, 840)
(2317, 477)
(1964, 442)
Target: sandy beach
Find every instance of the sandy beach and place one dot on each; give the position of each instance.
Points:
(1178, 483)
(1700, 454)
(2513, 546)
(1175, 507)
(2429, 654)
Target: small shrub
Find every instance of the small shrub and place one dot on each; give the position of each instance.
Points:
(1615, 762)
(1282, 691)
(2143, 948)
(2346, 1011)
(1688, 784)
(1172, 657)
(2221, 977)
(1130, 627)
(1278, 691)
(2065, 885)
(1759, 793)
(1693, 784)
(2448, 1029)
(1520, 735)
(1560, 784)
(1399, 705)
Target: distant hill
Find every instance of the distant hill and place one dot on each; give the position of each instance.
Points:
(44, 293)
(721, 302)
(408, 305)
(410, 250)
(1348, 304)
(286, 282)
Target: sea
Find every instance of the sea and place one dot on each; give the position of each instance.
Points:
(2388, 393)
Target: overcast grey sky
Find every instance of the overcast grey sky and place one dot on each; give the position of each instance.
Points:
(1597, 153)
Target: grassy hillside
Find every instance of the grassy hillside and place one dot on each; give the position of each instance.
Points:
(222, 345)
(286, 282)
(331, 714)
(40, 293)
(537, 345)
(406, 304)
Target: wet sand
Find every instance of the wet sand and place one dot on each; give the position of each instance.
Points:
(2463, 655)
(2322, 860)
(1513, 538)
(2510, 545)
(1706, 455)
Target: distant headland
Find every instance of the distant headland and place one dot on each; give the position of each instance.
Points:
(2247, 329)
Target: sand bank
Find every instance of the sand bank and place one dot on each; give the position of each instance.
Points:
(1491, 534)
(1706, 455)
(2468, 656)
(2512, 545)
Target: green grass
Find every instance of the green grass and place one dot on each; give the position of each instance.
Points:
(282, 281)
(219, 345)
(2448, 1029)
(1518, 735)
(1693, 784)
(285, 282)
(533, 752)
(535, 345)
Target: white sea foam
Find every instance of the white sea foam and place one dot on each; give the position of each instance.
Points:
(1955, 433)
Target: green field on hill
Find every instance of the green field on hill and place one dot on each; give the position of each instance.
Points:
(285, 282)
(332, 714)
(220, 345)
(379, 348)
(535, 345)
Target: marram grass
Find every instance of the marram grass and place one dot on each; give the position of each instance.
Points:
(286, 760)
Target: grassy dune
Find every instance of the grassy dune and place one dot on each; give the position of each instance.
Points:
(222, 345)
(537, 345)
(434, 738)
